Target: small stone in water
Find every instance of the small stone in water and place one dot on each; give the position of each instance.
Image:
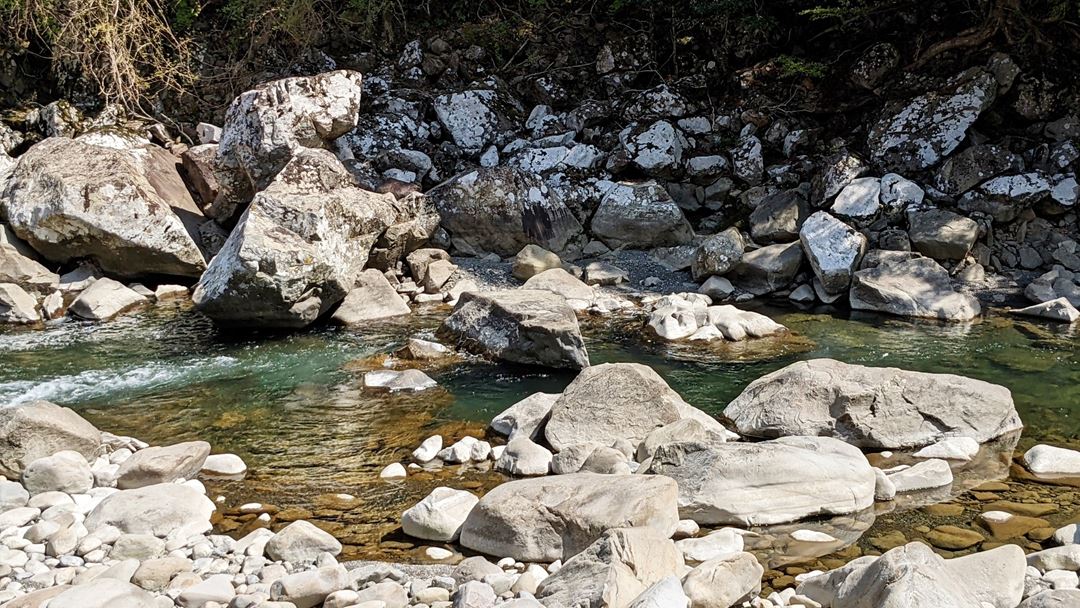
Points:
(393, 471)
(438, 553)
(811, 536)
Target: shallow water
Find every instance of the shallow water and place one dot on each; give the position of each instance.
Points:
(293, 406)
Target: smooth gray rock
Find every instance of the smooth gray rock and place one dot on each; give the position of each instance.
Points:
(765, 483)
(526, 418)
(614, 401)
(548, 518)
(440, 515)
(372, 298)
(161, 510)
(872, 407)
(532, 327)
(916, 287)
(38, 429)
(309, 588)
(105, 299)
(913, 575)
(724, 581)
(768, 269)
(942, 235)
(66, 471)
(778, 217)
(1058, 309)
(524, 458)
(165, 464)
(301, 542)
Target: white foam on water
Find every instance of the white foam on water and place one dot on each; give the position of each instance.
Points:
(96, 383)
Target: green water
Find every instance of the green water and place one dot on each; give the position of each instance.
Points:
(294, 408)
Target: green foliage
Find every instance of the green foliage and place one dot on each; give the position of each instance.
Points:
(791, 66)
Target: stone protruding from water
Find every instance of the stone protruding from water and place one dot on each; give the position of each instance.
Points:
(872, 407)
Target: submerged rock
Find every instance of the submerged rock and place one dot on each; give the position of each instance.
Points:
(872, 407)
(553, 518)
(298, 249)
(1058, 309)
(532, 327)
(766, 483)
(914, 287)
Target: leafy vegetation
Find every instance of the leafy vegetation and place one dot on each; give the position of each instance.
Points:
(132, 51)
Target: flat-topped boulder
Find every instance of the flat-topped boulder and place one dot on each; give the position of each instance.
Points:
(527, 326)
(617, 401)
(911, 287)
(70, 199)
(162, 510)
(640, 216)
(39, 429)
(544, 519)
(765, 483)
(163, 464)
(872, 407)
(298, 249)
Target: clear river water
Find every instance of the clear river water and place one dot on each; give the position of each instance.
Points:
(294, 407)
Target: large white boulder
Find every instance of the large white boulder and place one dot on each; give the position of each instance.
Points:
(766, 483)
(301, 542)
(910, 287)
(872, 407)
(39, 429)
(298, 249)
(70, 199)
(161, 510)
(913, 575)
(440, 515)
(266, 125)
(617, 401)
